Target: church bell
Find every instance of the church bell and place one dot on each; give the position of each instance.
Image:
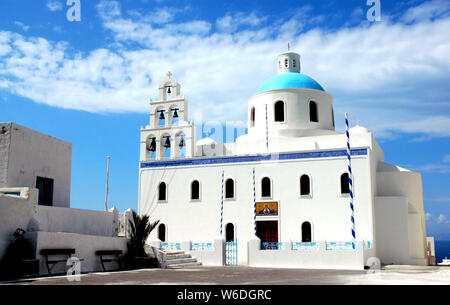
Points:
(181, 142)
(175, 113)
(161, 116)
(152, 146)
(167, 143)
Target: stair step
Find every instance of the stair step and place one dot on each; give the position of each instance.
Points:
(174, 252)
(185, 265)
(181, 261)
(177, 256)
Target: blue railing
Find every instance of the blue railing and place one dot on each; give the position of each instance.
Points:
(311, 246)
(368, 245)
(339, 246)
(171, 246)
(231, 253)
(202, 247)
(272, 246)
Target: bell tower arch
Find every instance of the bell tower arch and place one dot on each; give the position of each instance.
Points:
(168, 135)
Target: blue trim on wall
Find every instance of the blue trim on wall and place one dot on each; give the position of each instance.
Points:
(255, 158)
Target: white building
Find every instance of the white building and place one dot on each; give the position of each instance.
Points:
(35, 175)
(32, 159)
(203, 191)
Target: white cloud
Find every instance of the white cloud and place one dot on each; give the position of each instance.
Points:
(440, 199)
(442, 219)
(427, 11)
(436, 168)
(428, 216)
(390, 77)
(22, 25)
(230, 23)
(54, 5)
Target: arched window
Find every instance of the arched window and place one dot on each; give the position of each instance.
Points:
(162, 192)
(266, 187)
(229, 232)
(305, 185)
(166, 146)
(345, 187)
(294, 63)
(161, 118)
(180, 141)
(150, 148)
(306, 232)
(286, 63)
(313, 116)
(252, 117)
(162, 232)
(279, 111)
(195, 190)
(229, 188)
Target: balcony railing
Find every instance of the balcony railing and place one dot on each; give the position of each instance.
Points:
(202, 247)
(339, 246)
(272, 246)
(171, 246)
(305, 246)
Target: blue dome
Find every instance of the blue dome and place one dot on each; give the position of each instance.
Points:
(290, 80)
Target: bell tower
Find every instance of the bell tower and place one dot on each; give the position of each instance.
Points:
(168, 135)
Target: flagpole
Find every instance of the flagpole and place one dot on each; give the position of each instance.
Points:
(107, 184)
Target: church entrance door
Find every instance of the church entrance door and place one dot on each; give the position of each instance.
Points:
(267, 232)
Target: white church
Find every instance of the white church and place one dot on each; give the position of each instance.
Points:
(279, 196)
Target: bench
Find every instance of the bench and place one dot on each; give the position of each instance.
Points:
(116, 253)
(53, 252)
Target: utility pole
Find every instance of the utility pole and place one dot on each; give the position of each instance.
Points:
(107, 185)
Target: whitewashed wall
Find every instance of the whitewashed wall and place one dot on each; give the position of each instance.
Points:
(395, 181)
(313, 259)
(85, 246)
(328, 212)
(52, 219)
(15, 212)
(23, 212)
(30, 154)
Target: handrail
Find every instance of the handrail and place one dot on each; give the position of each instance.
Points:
(161, 257)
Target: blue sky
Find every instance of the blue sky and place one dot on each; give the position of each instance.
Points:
(89, 81)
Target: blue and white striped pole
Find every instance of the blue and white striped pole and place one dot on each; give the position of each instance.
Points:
(350, 180)
(254, 200)
(221, 206)
(267, 131)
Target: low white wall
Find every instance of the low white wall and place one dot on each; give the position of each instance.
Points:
(23, 212)
(53, 219)
(392, 243)
(394, 181)
(85, 246)
(15, 212)
(208, 258)
(311, 259)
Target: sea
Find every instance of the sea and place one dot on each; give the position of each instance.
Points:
(442, 248)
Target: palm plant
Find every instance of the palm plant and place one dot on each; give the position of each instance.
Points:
(140, 229)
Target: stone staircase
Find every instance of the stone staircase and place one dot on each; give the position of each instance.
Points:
(179, 260)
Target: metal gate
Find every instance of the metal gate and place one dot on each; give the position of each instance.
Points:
(231, 253)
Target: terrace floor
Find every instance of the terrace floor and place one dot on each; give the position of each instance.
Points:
(242, 275)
